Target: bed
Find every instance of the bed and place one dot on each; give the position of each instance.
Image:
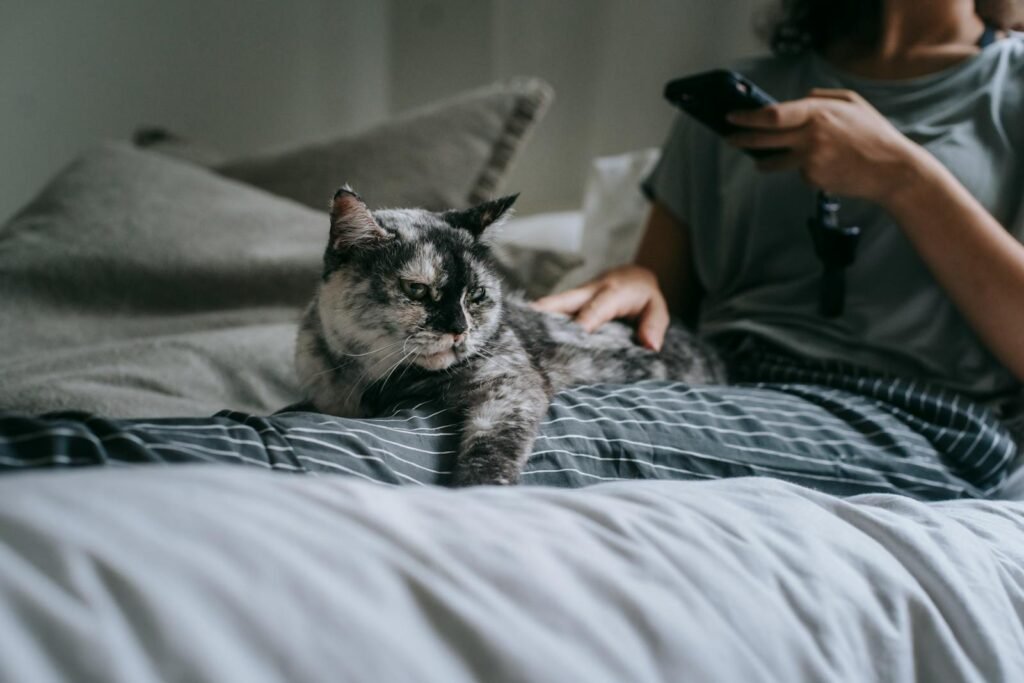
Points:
(142, 293)
(207, 573)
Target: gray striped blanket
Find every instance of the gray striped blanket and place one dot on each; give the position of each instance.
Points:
(834, 429)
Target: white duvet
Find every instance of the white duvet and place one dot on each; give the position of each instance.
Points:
(209, 573)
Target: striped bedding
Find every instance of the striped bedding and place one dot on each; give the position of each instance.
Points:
(833, 440)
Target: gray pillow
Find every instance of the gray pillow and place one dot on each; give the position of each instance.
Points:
(136, 285)
(158, 139)
(450, 154)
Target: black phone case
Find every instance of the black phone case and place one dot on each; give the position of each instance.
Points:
(709, 96)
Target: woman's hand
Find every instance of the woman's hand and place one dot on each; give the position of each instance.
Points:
(626, 292)
(840, 143)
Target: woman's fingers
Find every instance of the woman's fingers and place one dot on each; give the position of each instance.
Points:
(654, 319)
(791, 114)
(751, 139)
(604, 307)
(569, 301)
(834, 94)
(781, 116)
(625, 292)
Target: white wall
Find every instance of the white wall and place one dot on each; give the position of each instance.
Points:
(607, 59)
(241, 75)
(266, 73)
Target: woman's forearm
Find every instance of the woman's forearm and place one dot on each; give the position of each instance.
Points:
(666, 251)
(978, 263)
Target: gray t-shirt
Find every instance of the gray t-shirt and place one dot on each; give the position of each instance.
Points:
(754, 255)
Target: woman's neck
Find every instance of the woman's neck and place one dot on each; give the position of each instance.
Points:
(916, 38)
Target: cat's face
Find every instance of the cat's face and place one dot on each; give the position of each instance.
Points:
(408, 286)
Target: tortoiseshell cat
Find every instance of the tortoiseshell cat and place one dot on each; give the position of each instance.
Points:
(410, 305)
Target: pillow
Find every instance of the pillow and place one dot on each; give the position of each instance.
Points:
(450, 154)
(552, 231)
(535, 252)
(156, 139)
(614, 212)
(136, 286)
(141, 286)
(533, 273)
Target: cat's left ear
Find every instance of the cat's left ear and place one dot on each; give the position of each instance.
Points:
(352, 223)
(480, 217)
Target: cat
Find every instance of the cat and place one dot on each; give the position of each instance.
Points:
(410, 305)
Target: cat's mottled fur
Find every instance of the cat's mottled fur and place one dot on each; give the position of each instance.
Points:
(410, 306)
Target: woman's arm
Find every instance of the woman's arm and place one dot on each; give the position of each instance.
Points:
(665, 250)
(843, 145)
(661, 280)
(977, 262)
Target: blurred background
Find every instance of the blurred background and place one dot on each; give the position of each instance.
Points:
(250, 76)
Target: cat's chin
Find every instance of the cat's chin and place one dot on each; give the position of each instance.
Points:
(437, 361)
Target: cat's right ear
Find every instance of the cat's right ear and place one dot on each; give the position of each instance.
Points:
(352, 224)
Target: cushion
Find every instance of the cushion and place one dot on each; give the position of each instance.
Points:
(551, 231)
(450, 154)
(535, 252)
(532, 272)
(614, 212)
(140, 286)
(157, 139)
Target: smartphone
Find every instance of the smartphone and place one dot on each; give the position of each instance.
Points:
(709, 96)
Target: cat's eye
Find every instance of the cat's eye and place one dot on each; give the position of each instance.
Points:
(417, 291)
(477, 294)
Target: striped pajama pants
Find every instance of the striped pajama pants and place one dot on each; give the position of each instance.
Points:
(827, 426)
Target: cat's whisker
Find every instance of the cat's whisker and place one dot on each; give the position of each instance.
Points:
(393, 368)
(380, 360)
(324, 372)
(404, 370)
(312, 377)
(358, 383)
(368, 353)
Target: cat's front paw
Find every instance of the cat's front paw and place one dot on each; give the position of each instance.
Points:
(484, 474)
(495, 453)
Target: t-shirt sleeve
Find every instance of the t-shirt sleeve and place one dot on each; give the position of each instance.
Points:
(670, 182)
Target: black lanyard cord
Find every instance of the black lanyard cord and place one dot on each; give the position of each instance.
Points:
(836, 248)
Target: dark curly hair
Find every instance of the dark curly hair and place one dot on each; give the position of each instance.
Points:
(800, 25)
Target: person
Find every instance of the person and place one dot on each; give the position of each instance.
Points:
(913, 114)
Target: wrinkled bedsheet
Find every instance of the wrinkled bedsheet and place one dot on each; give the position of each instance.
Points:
(213, 573)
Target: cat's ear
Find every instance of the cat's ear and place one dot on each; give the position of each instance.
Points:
(352, 224)
(481, 216)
